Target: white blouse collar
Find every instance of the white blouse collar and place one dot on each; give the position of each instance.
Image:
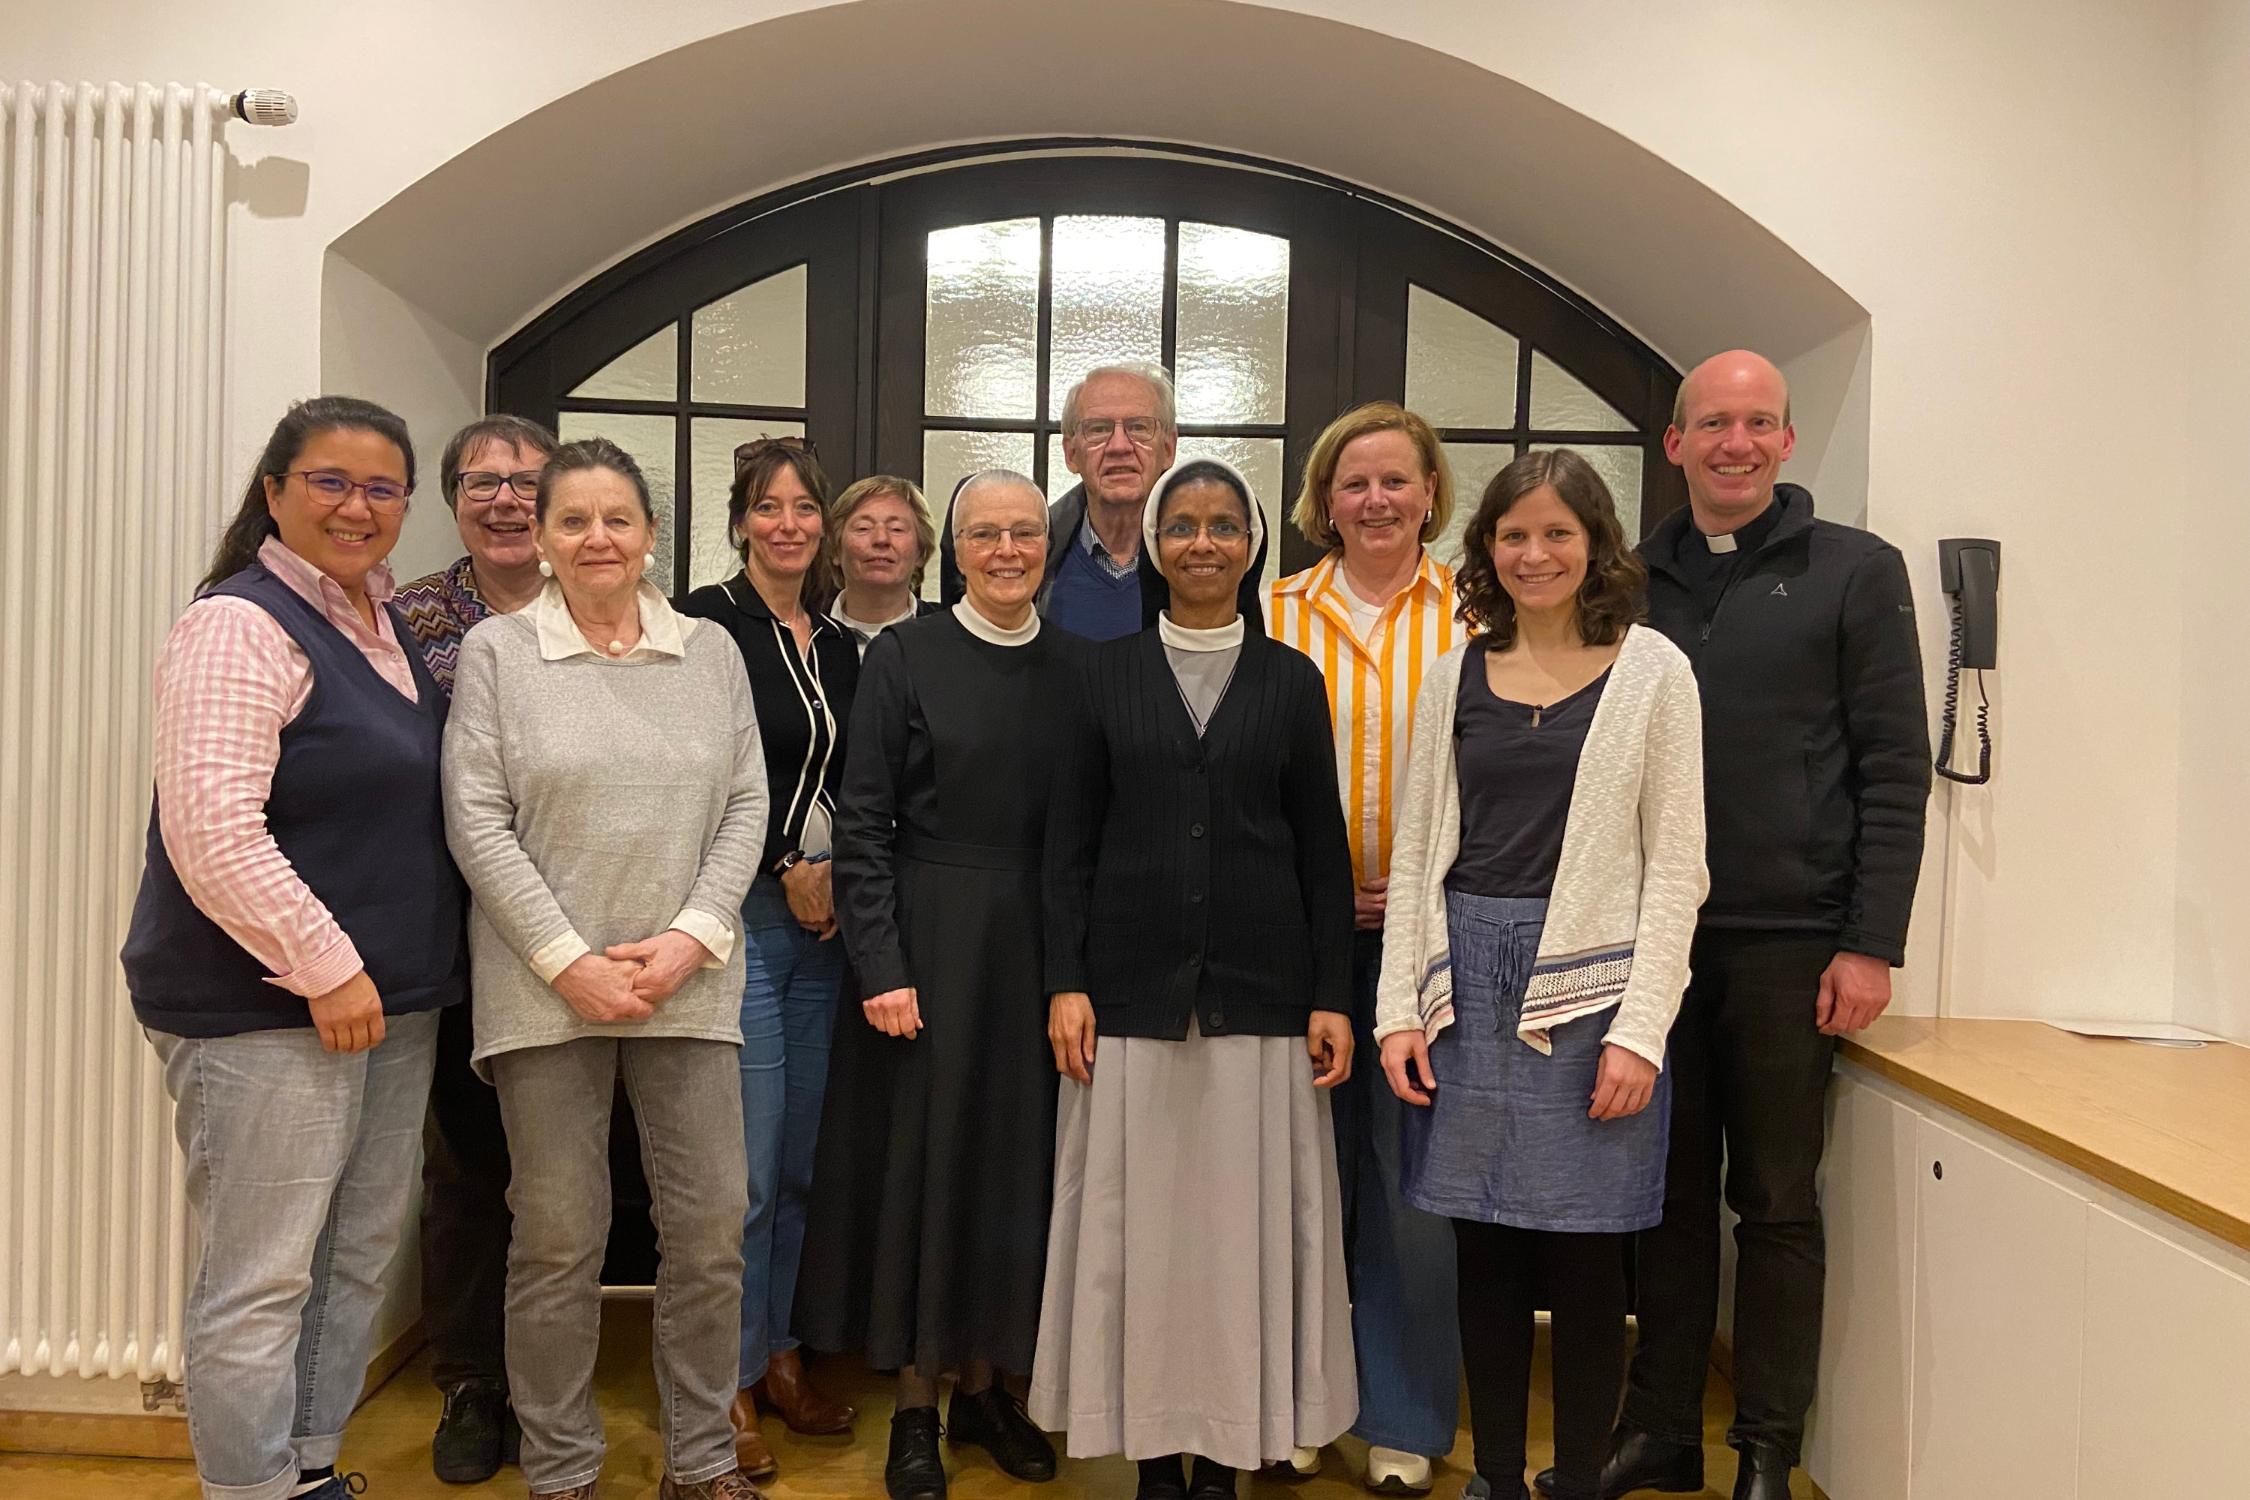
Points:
(663, 631)
(1218, 638)
(984, 630)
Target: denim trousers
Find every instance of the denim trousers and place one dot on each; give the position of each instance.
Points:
(300, 1171)
(791, 981)
(556, 1102)
(1401, 1260)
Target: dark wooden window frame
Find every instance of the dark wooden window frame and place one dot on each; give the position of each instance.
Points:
(862, 235)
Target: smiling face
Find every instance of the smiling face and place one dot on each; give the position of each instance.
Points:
(1539, 551)
(595, 535)
(497, 531)
(346, 540)
(879, 549)
(782, 526)
(1733, 436)
(1116, 468)
(1000, 538)
(1380, 497)
(1203, 544)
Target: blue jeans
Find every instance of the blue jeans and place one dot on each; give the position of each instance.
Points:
(1401, 1259)
(789, 992)
(300, 1170)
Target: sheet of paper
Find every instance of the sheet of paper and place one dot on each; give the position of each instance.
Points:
(2162, 1033)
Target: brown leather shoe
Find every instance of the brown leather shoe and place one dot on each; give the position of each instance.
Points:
(575, 1492)
(726, 1487)
(788, 1389)
(750, 1449)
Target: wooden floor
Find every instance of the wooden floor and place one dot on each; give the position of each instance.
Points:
(390, 1436)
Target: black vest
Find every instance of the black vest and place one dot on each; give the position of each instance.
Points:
(356, 807)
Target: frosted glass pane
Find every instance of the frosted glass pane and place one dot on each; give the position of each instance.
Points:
(750, 344)
(1259, 460)
(1473, 466)
(1460, 368)
(712, 556)
(1059, 477)
(950, 457)
(1234, 324)
(649, 371)
(1620, 468)
(1561, 401)
(649, 440)
(1108, 297)
(982, 352)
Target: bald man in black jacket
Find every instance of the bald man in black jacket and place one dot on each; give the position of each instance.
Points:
(1817, 769)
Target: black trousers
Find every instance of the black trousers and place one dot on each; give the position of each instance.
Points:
(1750, 1076)
(1504, 1275)
(465, 1218)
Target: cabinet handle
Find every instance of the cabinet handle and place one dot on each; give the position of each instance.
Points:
(1937, 1170)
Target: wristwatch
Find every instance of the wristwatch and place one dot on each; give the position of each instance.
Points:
(788, 862)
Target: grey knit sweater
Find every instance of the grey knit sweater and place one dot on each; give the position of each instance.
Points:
(592, 802)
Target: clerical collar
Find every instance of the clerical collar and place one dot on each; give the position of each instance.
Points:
(1723, 543)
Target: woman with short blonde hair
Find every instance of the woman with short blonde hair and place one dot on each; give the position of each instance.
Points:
(1373, 615)
(881, 540)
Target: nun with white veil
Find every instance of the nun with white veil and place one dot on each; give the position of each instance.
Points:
(1198, 955)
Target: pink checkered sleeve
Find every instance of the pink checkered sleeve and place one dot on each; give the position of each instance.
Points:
(228, 681)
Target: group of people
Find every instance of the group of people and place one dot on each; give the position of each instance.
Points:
(1196, 1019)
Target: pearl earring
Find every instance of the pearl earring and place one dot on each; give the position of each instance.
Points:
(546, 568)
(648, 563)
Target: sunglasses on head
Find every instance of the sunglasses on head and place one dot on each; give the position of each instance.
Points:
(750, 452)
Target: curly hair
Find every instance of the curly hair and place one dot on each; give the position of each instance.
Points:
(1609, 599)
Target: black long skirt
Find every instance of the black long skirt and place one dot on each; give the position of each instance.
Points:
(926, 1240)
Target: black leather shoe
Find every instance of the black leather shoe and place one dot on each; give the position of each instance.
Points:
(995, 1421)
(1480, 1488)
(1161, 1479)
(472, 1435)
(1762, 1474)
(1638, 1461)
(1208, 1480)
(914, 1471)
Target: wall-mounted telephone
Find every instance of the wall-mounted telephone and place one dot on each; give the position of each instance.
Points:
(1969, 571)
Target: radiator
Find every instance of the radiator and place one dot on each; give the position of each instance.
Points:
(113, 229)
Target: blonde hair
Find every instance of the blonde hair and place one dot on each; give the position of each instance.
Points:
(1310, 513)
(878, 487)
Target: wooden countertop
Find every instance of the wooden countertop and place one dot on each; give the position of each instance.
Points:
(2167, 1125)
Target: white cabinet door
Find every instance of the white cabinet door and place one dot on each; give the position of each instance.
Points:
(2000, 1271)
(1856, 1446)
(2167, 1368)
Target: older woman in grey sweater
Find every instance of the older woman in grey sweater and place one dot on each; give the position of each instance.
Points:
(606, 799)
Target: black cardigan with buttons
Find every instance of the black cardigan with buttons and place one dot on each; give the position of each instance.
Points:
(1210, 875)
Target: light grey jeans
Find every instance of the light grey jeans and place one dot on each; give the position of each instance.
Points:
(300, 1171)
(555, 1101)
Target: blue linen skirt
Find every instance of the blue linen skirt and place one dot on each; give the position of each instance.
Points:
(1506, 1138)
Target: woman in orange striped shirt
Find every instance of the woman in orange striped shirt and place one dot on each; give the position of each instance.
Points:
(1373, 615)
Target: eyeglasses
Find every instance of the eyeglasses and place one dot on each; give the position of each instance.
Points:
(1221, 531)
(1141, 432)
(985, 538)
(750, 452)
(331, 489)
(483, 485)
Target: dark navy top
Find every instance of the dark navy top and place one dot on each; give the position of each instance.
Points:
(1517, 763)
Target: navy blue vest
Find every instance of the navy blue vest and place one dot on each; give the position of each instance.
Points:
(1087, 601)
(356, 807)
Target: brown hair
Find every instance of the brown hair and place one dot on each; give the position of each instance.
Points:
(1610, 597)
(1310, 513)
(877, 487)
(501, 427)
(756, 466)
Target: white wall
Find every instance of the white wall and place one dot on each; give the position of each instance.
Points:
(2002, 185)
(2214, 816)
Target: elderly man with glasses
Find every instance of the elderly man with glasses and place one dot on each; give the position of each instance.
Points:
(1119, 431)
(490, 478)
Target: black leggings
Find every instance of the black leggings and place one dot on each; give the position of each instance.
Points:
(1502, 1274)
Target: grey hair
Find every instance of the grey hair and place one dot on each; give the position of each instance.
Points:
(990, 479)
(1155, 375)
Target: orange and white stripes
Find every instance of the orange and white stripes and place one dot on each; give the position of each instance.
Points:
(1371, 684)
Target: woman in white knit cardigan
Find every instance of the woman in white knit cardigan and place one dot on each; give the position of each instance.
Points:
(1544, 883)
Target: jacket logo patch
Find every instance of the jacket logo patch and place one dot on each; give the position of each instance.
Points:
(1781, 589)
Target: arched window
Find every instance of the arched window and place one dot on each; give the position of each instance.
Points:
(927, 319)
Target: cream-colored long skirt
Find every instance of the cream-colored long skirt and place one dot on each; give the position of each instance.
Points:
(1195, 1298)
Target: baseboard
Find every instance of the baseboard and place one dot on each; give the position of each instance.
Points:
(156, 1434)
